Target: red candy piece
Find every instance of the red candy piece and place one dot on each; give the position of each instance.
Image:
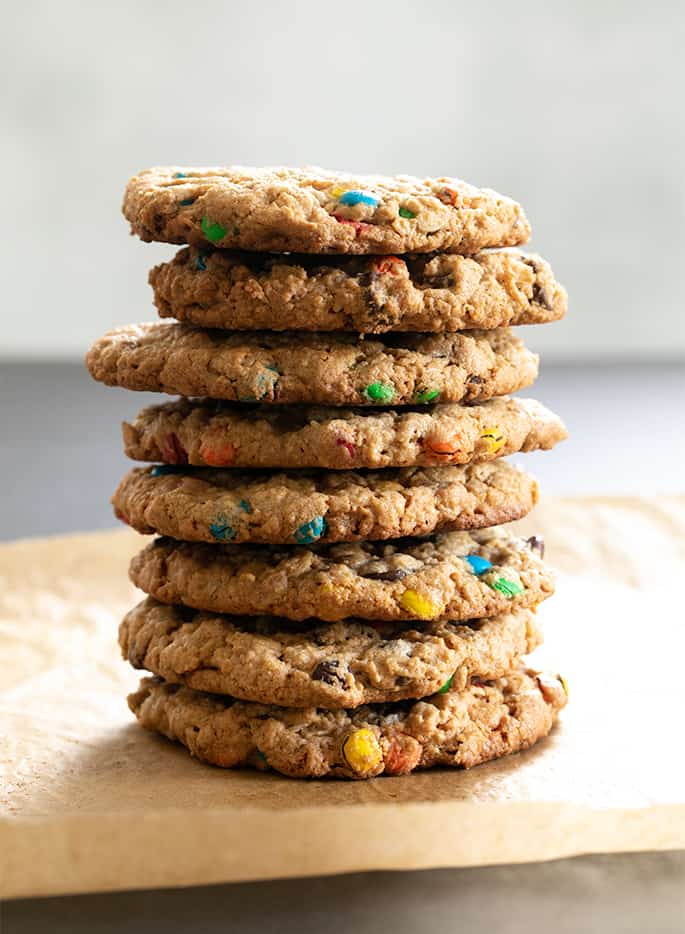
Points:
(218, 455)
(448, 196)
(173, 451)
(348, 445)
(358, 225)
(402, 756)
(389, 264)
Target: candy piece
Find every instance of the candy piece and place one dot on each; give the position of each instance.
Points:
(379, 392)
(405, 212)
(200, 261)
(389, 264)
(358, 197)
(220, 454)
(358, 225)
(444, 450)
(448, 196)
(446, 686)
(478, 565)
(564, 683)
(427, 395)
(348, 445)
(186, 202)
(221, 530)
(536, 543)
(310, 531)
(508, 588)
(180, 175)
(336, 192)
(161, 470)
(402, 756)
(494, 439)
(266, 382)
(245, 506)
(173, 451)
(213, 232)
(361, 751)
(418, 605)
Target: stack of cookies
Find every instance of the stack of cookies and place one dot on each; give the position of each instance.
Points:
(332, 591)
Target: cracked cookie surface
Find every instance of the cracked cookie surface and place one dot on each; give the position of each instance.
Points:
(331, 665)
(311, 210)
(333, 369)
(213, 505)
(487, 720)
(215, 434)
(370, 295)
(448, 575)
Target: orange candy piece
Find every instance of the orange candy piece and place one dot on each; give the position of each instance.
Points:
(443, 450)
(218, 455)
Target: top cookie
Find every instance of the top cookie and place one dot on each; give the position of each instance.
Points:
(369, 294)
(314, 211)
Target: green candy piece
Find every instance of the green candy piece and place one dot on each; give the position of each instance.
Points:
(213, 232)
(446, 686)
(379, 392)
(428, 395)
(405, 212)
(508, 588)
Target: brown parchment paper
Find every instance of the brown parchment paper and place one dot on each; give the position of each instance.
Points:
(89, 801)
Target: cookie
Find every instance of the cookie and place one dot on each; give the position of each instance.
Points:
(200, 504)
(449, 575)
(419, 292)
(220, 434)
(310, 210)
(333, 369)
(487, 720)
(331, 665)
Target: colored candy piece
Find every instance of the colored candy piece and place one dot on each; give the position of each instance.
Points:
(310, 531)
(180, 175)
(161, 470)
(173, 451)
(245, 506)
(508, 588)
(358, 225)
(389, 264)
(564, 683)
(200, 261)
(444, 450)
(405, 212)
(417, 605)
(220, 454)
(402, 755)
(186, 202)
(348, 445)
(336, 192)
(221, 530)
(427, 395)
(361, 751)
(213, 232)
(266, 382)
(446, 686)
(379, 392)
(494, 439)
(478, 565)
(448, 196)
(354, 196)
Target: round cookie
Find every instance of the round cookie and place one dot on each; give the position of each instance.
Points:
(327, 369)
(310, 210)
(487, 720)
(371, 295)
(215, 434)
(331, 665)
(200, 504)
(449, 575)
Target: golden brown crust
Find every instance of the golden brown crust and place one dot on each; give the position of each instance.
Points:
(432, 578)
(326, 369)
(461, 729)
(420, 292)
(331, 665)
(214, 434)
(308, 210)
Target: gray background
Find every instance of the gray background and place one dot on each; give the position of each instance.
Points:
(574, 109)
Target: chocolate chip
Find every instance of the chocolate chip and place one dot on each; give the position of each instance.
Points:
(478, 380)
(393, 574)
(537, 543)
(542, 296)
(328, 672)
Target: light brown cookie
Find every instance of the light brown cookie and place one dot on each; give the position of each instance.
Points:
(449, 575)
(420, 292)
(326, 369)
(205, 505)
(487, 720)
(214, 434)
(310, 210)
(331, 665)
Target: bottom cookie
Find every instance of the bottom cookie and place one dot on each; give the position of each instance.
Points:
(461, 729)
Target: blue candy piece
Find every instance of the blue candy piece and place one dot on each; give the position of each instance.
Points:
(200, 261)
(186, 202)
(162, 469)
(221, 530)
(245, 506)
(310, 531)
(180, 175)
(478, 565)
(357, 197)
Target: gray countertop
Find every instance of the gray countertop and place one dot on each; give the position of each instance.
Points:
(61, 460)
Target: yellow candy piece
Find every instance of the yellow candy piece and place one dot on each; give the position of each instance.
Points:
(494, 439)
(361, 751)
(417, 605)
(564, 683)
(336, 192)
